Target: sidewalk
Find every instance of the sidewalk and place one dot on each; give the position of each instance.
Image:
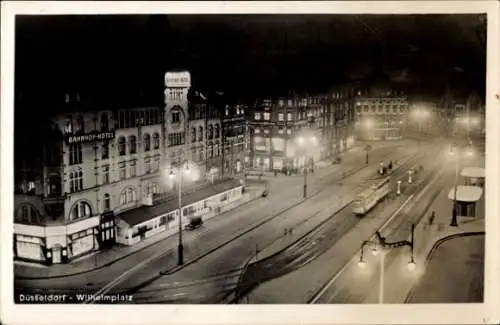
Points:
(101, 259)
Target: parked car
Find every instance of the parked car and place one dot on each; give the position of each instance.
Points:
(194, 223)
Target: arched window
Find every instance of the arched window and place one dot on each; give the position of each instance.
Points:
(28, 214)
(147, 142)
(75, 181)
(80, 210)
(200, 133)
(132, 144)
(217, 131)
(193, 135)
(210, 131)
(156, 141)
(104, 122)
(121, 146)
(127, 196)
(106, 202)
(80, 125)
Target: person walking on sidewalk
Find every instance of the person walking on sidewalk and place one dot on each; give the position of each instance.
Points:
(432, 218)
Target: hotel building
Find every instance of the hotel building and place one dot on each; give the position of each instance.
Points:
(97, 165)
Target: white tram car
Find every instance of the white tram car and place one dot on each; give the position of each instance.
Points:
(365, 201)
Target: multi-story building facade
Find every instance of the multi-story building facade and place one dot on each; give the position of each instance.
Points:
(97, 164)
(276, 127)
(234, 139)
(382, 117)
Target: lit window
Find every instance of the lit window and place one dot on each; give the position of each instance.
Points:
(133, 169)
(257, 131)
(267, 116)
(289, 131)
(290, 103)
(257, 116)
(147, 165)
(281, 103)
(289, 117)
(281, 116)
(281, 131)
(75, 181)
(266, 131)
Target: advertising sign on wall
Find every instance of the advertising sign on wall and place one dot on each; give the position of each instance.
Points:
(178, 79)
(90, 137)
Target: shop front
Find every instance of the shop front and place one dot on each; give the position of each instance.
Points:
(29, 248)
(467, 200)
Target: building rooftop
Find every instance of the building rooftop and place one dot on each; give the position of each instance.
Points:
(477, 172)
(466, 193)
(145, 213)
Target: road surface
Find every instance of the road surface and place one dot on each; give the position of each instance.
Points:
(213, 279)
(456, 261)
(216, 232)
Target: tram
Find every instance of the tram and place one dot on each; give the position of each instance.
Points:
(370, 197)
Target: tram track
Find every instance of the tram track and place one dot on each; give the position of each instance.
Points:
(400, 170)
(327, 231)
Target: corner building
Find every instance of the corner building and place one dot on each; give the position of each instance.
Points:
(98, 164)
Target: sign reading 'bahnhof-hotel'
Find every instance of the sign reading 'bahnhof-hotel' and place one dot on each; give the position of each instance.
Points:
(91, 137)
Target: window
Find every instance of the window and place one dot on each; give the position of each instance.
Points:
(201, 155)
(75, 154)
(193, 135)
(123, 172)
(132, 142)
(68, 127)
(80, 126)
(267, 116)
(156, 165)
(104, 122)
(28, 214)
(281, 103)
(153, 188)
(147, 165)
(289, 117)
(106, 202)
(147, 142)
(289, 131)
(200, 133)
(156, 141)
(75, 181)
(176, 139)
(176, 117)
(127, 196)
(105, 150)
(81, 210)
(216, 150)
(132, 169)
(217, 131)
(121, 146)
(281, 117)
(105, 174)
(210, 131)
(257, 116)
(281, 131)
(266, 131)
(257, 131)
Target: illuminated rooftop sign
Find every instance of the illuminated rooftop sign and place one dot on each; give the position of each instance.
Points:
(178, 79)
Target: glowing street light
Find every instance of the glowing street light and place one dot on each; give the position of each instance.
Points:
(381, 247)
(368, 124)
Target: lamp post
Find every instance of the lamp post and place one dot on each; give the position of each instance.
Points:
(367, 150)
(180, 247)
(307, 163)
(383, 247)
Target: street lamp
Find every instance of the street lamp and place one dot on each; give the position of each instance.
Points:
(301, 141)
(172, 174)
(381, 247)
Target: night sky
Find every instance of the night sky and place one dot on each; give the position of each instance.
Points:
(123, 58)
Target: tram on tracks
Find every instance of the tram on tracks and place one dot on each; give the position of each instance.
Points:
(370, 197)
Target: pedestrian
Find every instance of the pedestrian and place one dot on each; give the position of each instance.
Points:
(431, 218)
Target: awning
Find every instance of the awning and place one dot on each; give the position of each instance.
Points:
(466, 193)
(476, 172)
